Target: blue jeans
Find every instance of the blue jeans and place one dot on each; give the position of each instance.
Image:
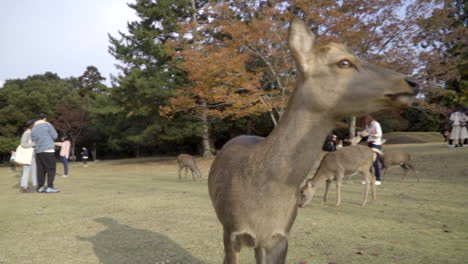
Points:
(376, 163)
(65, 164)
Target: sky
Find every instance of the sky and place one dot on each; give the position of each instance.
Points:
(60, 36)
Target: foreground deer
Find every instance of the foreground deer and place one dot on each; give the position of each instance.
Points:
(186, 161)
(397, 157)
(254, 182)
(335, 165)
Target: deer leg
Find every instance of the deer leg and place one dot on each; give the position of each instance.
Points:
(180, 176)
(186, 168)
(194, 175)
(260, 255)
(231, 253)
(403, 176)
(327, 187)
(374, 187)
(277, 254)
(370, 180)
(339, 180)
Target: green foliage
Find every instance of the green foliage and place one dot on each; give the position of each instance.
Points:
(421, 119)
(148, 76)
(90, 83)
(7, 144)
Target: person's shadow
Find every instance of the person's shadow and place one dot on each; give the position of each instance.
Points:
(119, 244)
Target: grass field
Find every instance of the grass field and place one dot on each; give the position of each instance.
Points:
(135, 211)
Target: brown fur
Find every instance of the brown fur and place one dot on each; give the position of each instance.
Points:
(397, 157)
(334, 166)
(254, 182)
(186, 161)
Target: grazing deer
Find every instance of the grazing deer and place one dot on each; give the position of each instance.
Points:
(254, 182)
(186, 161)
(335, 165)
(397, 157)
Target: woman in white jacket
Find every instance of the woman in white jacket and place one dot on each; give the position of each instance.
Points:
(27, 143)
(373, 131)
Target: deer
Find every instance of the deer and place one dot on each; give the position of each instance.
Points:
(254, 182)
(186, 162)
(397, 157)
(335, 165)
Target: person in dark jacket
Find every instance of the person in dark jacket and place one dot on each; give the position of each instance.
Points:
(85, 156)
(330, 143)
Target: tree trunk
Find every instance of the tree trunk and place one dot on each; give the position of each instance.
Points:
(206, 152)
(73, 145)
(94, 151)
(352, 127)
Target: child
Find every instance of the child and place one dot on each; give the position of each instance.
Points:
(85, 156)
(12, 161)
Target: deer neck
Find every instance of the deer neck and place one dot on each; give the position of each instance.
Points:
(291, 150)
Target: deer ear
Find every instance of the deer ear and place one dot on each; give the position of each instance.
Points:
(301, 41)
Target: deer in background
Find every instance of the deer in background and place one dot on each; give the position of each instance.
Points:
(397, 157)
(335, 165)
(254, 182)
(186, 162)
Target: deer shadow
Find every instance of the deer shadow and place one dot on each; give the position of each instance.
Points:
(119, 244)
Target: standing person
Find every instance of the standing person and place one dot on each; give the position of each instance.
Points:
(459, 132)
(64, 154)
(29, 164)
(374, 133)
(44, 134)
(85, 156)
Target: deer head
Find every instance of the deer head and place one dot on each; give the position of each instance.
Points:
(332, 79)
(307, 193)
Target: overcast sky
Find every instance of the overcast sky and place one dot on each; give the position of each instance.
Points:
(60, 36)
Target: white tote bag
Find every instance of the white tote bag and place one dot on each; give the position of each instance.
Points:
(24, 155)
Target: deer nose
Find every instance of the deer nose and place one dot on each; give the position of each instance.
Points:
(414, 84)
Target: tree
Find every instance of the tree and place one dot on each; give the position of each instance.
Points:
(148, 76)
(71, 120)
(90, 82)
(254, 32)
(23, 99)
(443, 38)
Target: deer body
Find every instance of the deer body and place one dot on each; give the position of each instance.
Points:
(186, 161)
(254, 182)
(335, 165)
(397, 157)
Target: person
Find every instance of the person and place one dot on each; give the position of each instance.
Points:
(459, 132)
(330, 143)
(12, 160)
(44, 134)
(64, 154)
(27, 143)
(373, 132)
(85, 156)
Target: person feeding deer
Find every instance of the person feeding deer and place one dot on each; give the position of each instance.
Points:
(373, 132)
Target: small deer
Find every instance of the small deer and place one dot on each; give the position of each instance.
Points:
(397, 157)
(186, 162)
(335, 165)
(254, 182)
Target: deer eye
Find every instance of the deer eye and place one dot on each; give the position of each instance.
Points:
(345, 64)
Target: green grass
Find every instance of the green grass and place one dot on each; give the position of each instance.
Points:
(413, 137)
(135, 211)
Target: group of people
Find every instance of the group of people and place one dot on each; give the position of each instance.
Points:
(372, 131)
(456, 130)
(36, 154)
